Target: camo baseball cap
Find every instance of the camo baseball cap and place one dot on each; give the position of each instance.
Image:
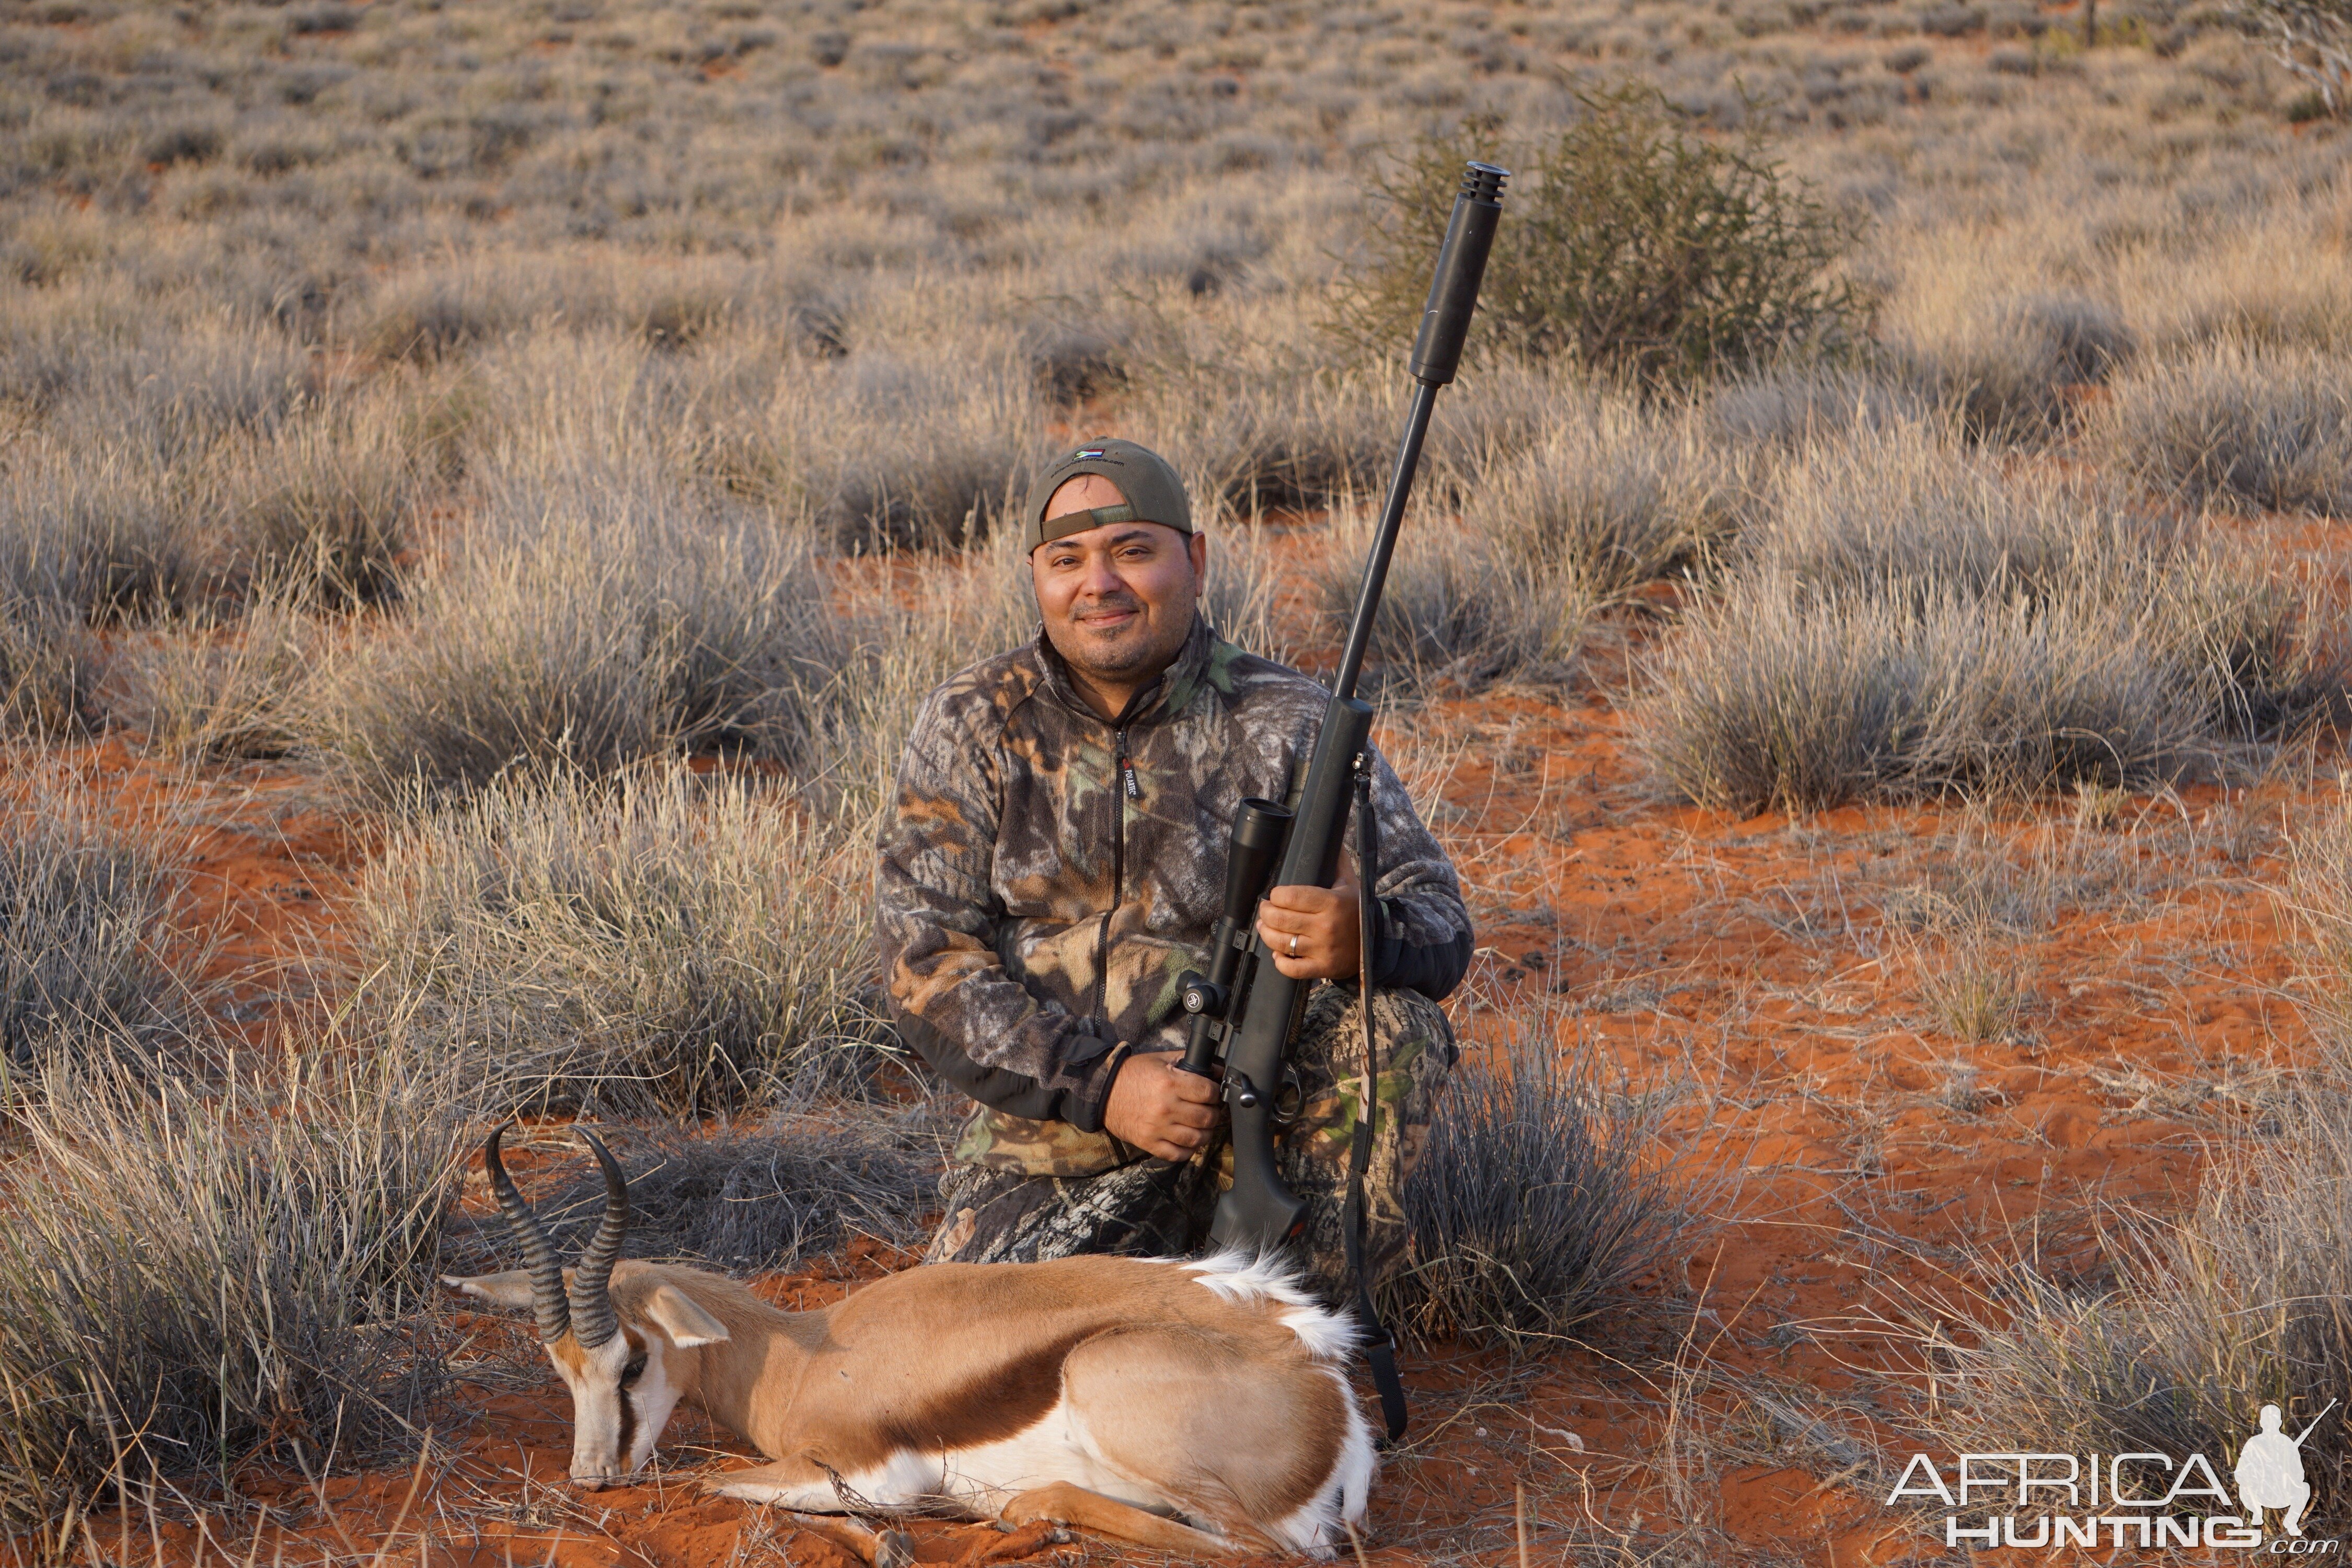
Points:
(1153, 493)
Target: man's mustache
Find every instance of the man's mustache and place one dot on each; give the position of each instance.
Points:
(1118, 601)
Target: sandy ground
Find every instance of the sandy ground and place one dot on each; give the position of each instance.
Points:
(1763, 976)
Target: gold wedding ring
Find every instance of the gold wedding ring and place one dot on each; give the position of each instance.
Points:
(1294, 944)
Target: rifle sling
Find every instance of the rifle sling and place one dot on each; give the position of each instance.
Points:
(1380, 1345)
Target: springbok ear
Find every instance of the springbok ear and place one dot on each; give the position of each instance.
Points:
(512, 1289)
(677, 1315)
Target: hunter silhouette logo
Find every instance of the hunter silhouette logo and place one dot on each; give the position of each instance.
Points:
(2270, 1471)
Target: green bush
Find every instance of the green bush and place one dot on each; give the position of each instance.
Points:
(1627, 243)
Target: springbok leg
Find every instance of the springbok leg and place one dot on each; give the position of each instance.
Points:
(882, 1549)
(1066, 1504)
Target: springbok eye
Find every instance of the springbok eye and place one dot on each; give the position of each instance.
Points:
(633, 1371)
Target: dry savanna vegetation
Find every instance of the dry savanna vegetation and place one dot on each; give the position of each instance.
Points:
(483, 489)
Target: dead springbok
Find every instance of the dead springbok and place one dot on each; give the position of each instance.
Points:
(1196, 1406)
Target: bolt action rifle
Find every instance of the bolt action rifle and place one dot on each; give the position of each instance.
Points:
(1246, 1011)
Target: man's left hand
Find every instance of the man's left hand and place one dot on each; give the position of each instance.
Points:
(1312, 931)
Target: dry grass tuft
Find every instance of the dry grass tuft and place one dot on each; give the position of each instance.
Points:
(753, 1199)
(85, 977)
(210, 1279)
(1972, 981)
(1537, 1202)
(2204, 1318)
(2007, 368)
(589, 621)
(2234, 1305)
(1908, 620)
(214, 689)
(1598, 498)
(2268, 427)
(1607, 498)
(654, 942)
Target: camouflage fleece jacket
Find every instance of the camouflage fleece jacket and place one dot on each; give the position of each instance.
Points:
(1037, 901)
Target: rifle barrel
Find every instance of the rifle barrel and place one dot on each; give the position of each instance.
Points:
(1384, 538)
(1259, 1210)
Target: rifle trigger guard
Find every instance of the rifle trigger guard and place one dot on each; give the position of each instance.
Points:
(1290, 1098)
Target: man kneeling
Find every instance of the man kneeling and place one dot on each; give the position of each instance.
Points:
(1055, 864)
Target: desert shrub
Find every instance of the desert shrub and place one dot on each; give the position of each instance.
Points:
(206, 1278)
(86, 915)
(591, 619)
(2310, 38)
(2268, 427)
(645, 942)
(751, 1199)
(1536, 1204)
(1629, 244)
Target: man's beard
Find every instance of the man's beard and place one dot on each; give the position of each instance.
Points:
(1136, 646)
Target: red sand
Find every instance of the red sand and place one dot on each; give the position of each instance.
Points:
(1743, 967)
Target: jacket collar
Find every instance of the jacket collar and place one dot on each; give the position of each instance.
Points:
(1170, 694)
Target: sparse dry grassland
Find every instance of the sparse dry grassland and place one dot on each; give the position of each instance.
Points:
(483, 488)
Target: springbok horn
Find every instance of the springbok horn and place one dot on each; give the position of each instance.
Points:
(594, 1321)
(547, 1302)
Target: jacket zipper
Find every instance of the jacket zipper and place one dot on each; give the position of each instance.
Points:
(1125, 787)
(1125, 791)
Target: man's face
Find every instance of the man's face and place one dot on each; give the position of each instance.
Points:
(1118, 600)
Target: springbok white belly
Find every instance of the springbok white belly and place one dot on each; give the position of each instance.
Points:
(1055, 1447)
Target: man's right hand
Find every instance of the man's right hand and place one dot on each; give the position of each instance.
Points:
(1160, 1109)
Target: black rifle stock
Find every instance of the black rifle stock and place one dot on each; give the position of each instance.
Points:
(1259, 1005)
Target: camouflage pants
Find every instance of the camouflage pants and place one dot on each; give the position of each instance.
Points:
(1149, 1209)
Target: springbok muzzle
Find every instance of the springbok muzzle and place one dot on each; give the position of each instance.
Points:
(586, 1309)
